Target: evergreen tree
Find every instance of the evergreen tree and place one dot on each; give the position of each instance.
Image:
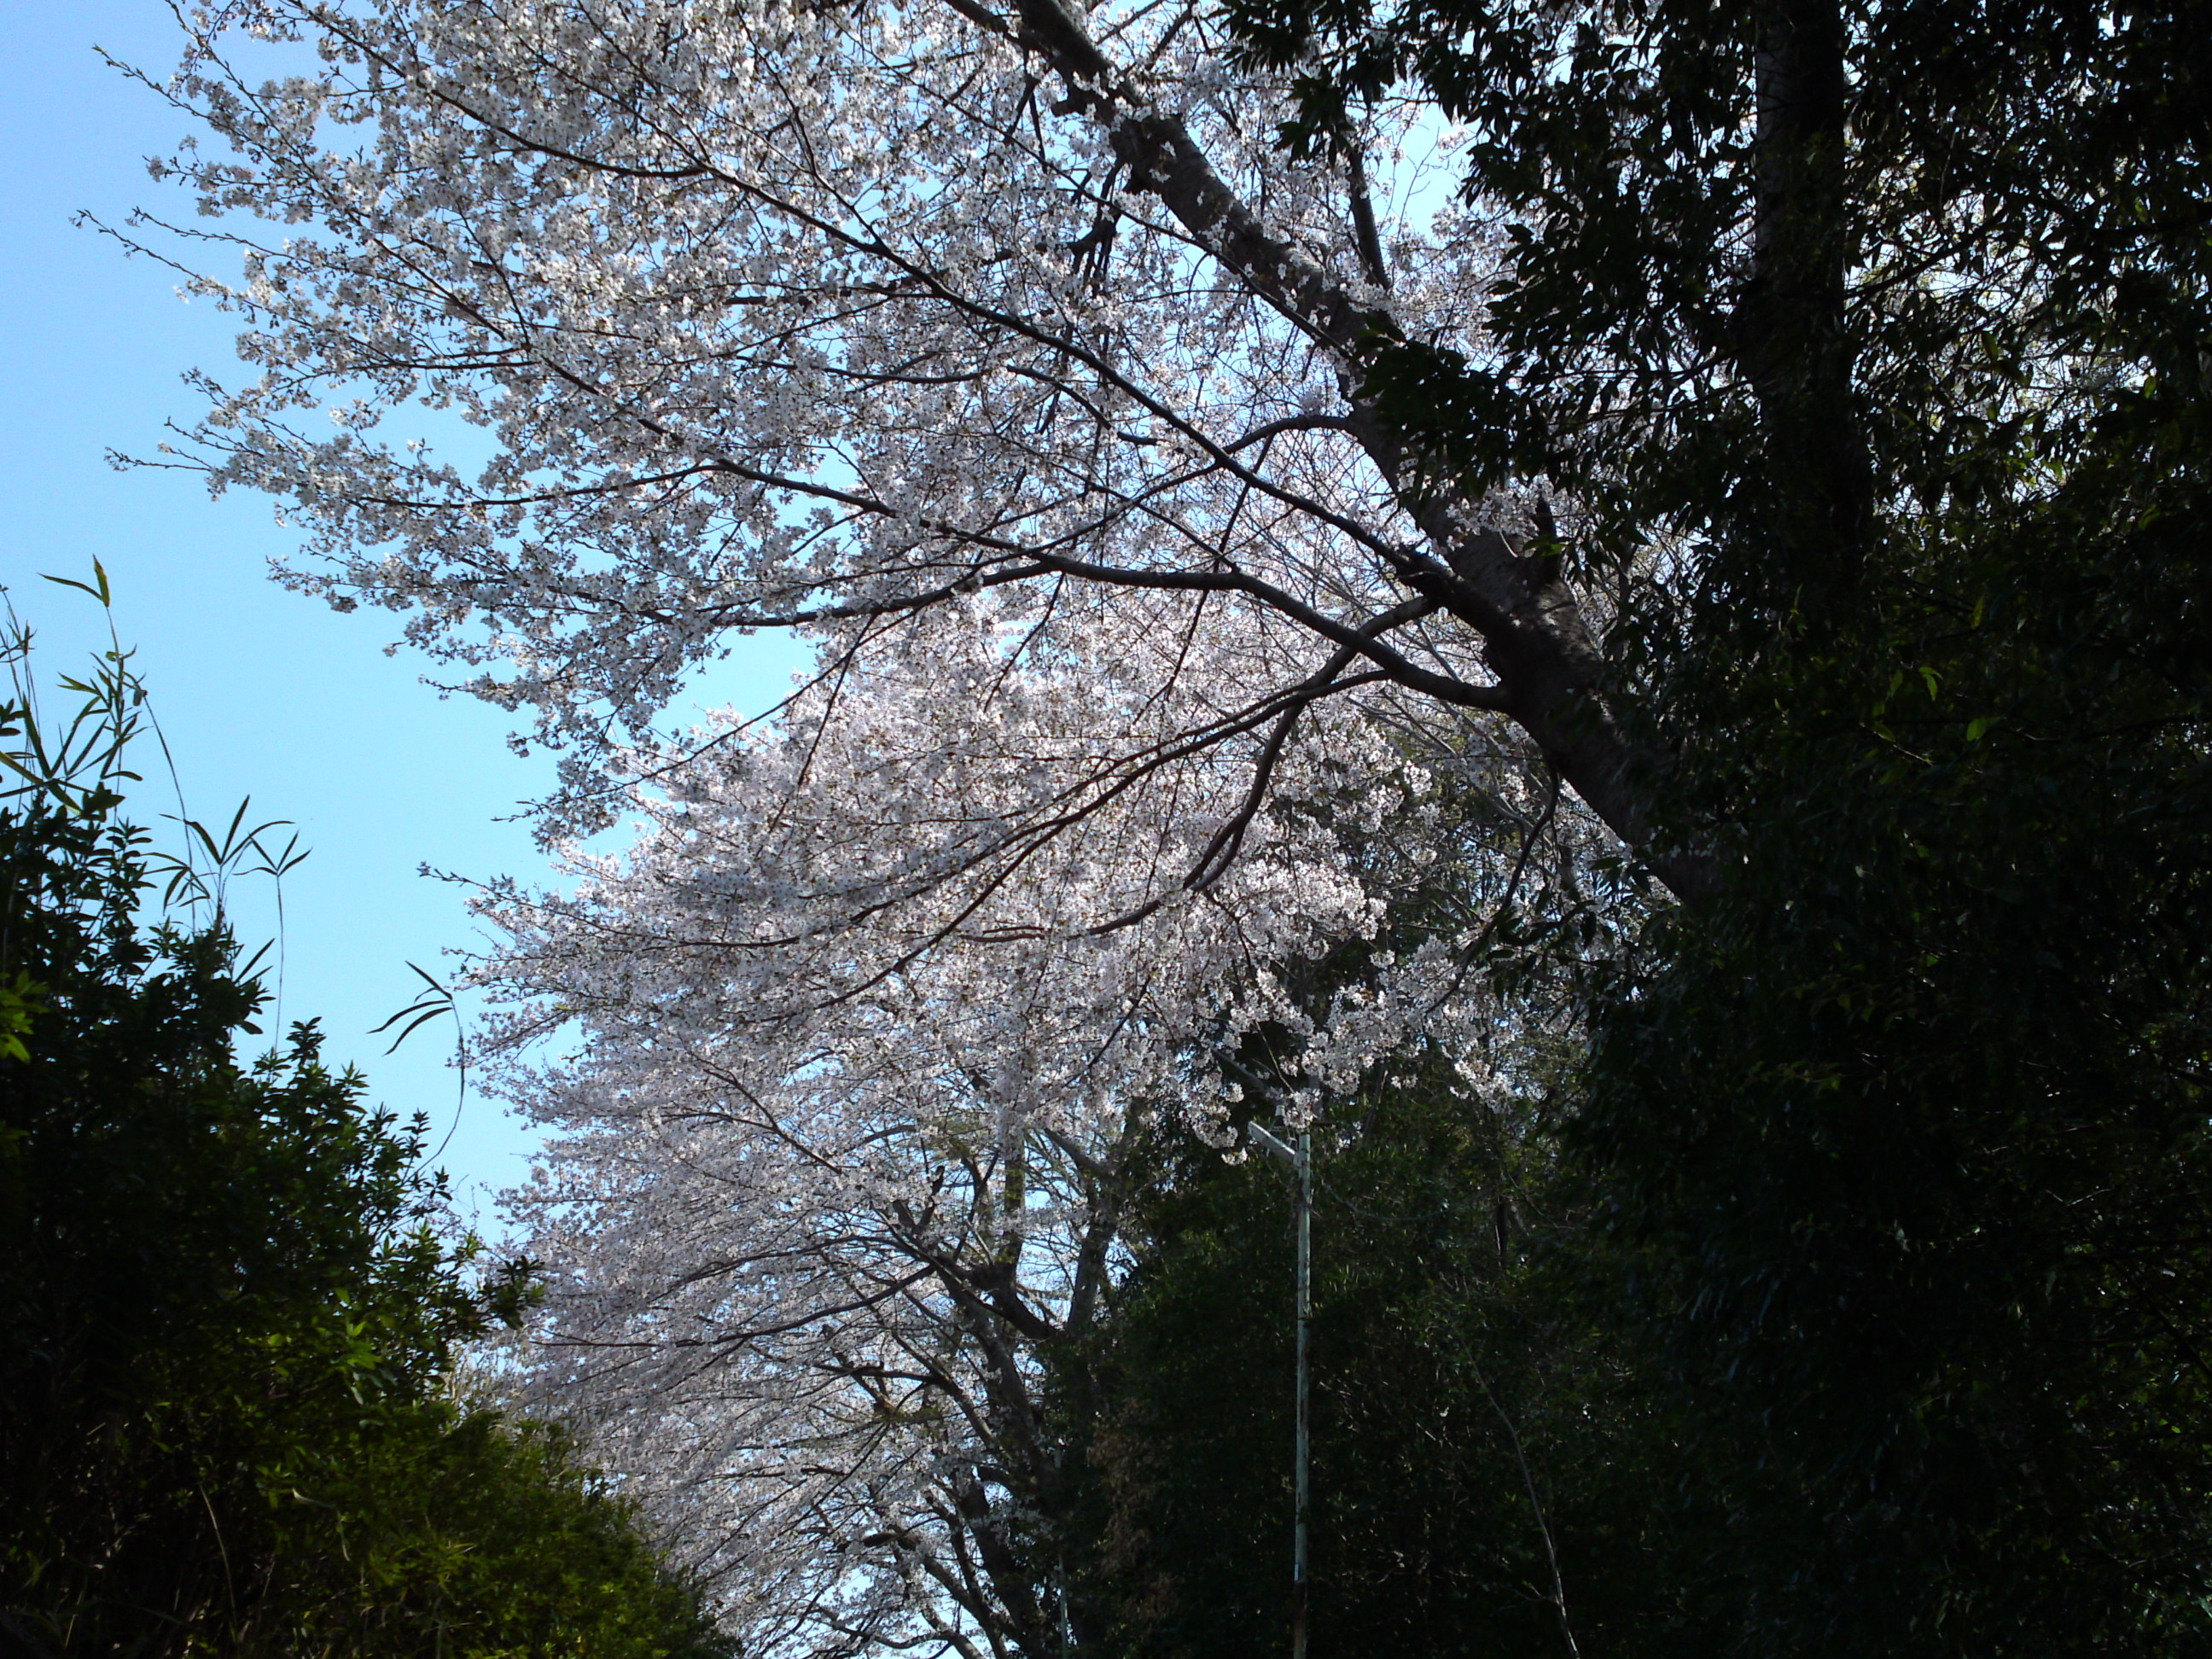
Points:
(233, 1313)
(1888, 323)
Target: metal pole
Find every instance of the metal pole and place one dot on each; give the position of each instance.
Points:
(1305, 1313)
(1300, 1161)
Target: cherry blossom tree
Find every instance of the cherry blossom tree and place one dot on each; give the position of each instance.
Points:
(843, 1152)
(797, 319)
(1002, 352)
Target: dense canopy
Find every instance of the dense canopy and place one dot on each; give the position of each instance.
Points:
(1636, 569)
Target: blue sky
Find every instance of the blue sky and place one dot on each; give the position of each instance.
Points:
(262, 692)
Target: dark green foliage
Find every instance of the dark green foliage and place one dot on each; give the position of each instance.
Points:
(1871, 343)
(1935, 208)
(226, 1418)
(466, 1535)
(1908, 1124)
(1466, 1406)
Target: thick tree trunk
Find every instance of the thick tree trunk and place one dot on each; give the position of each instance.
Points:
(1793, 336)
(1536, 638)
